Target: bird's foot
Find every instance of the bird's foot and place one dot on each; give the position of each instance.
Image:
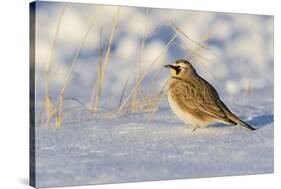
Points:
(195, 127)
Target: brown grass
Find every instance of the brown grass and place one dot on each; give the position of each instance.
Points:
(178, 30)
(58, 108)
(131, 100)
(59, 111)
(100, 80)
(138, 66)
(94, 91)
(48, 105)
(146, 71)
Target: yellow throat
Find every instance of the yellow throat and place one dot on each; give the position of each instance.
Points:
(173, 72)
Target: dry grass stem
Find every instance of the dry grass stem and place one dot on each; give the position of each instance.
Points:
(48, 107)
(154, 106)
(138, 66)
(95, 90)
(105, 61)
(134, 100)
(178, 30)
(195, 50)
(124, 90)
(147, 70)
(59, 112)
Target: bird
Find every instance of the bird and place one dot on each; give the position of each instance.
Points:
(194, 100)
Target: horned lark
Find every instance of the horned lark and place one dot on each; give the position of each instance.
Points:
(196, 101)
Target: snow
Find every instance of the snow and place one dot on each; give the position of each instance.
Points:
(152, 146)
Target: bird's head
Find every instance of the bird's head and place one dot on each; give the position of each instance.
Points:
(181, 68)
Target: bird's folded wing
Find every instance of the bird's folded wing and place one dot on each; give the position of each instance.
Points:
(202, 98)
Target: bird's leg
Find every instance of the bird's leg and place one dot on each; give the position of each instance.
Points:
(195, 127)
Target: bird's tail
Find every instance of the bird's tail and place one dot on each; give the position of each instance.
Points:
(238, 121)
(244, 124)
(234, 119)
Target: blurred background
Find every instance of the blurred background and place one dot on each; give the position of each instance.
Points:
(118, 53)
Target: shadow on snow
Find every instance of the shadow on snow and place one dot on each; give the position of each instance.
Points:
(257, 122)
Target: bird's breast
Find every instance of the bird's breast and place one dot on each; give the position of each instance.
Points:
(179, 111)
(186, 114)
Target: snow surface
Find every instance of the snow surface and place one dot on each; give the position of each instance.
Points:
(152, 146)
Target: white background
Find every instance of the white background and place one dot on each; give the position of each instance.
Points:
(14, 105)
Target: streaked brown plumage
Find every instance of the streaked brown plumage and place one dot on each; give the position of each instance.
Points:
(194, 100)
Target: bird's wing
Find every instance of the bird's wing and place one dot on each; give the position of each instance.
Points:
(200, 96)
